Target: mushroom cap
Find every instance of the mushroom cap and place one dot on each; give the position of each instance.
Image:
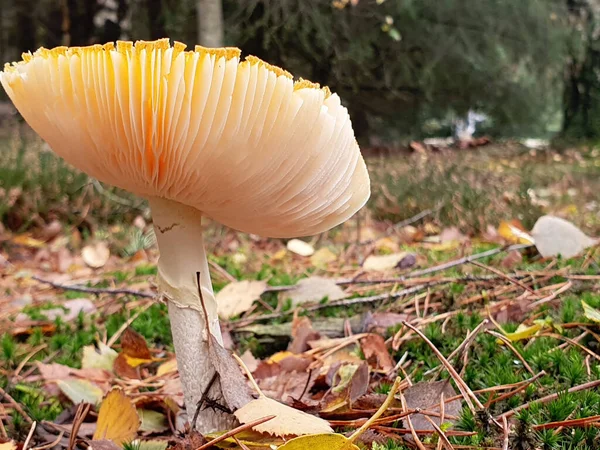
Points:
(239, 141)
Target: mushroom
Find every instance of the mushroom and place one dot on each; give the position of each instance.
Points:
(199, 134)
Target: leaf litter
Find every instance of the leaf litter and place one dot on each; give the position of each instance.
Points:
(322, 383)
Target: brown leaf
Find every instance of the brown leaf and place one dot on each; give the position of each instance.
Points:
(512, 259)
(376, 352)
(135, 348)
(233, 383)
(302, 333)
(123, 369)
(426, 395)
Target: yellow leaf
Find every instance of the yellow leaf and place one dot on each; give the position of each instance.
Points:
(102, 357)
(279, 356)
(278, 256)
(27, 241)
(80, 391)
(512, 232)
(118, 421)
(591, 313)
(287, 420)
(167, 367)
(319, 442)
(134, 362)
(10, 445)
(523, 332)
(322, 257)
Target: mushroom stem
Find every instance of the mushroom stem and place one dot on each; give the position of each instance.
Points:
(178, 231)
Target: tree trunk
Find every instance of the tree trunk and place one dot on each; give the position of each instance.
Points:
(210, 22)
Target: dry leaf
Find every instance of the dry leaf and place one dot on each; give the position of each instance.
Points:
(233, 383)
(302, 333)
(300, 247)
(329, 441)
(523, 332)
(135, 348)
(514, 232)
(27, 241)
(118, 420)
(10, 445)
(590, 313)
(322, 257)
(152, 421)
(101, 357)
(287, 421)
(237, 297)
(384, 262)
(314, 289)
(426, 395)
(154, 445)
(166, 367)
(96, 255)
(376, 352)
(80, 391)
(555, 236)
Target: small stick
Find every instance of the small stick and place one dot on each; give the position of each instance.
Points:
(235, 431)
(462, 386)
(506, 433)
(549, 398)
(50, 444)
(88, 290)
(29, 435)
(507, 342)
(15, 405)
(503, 275)
(411, 427)
(443, 438)
(115, 337)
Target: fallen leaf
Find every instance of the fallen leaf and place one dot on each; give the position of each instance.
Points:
(73, 309)
(123, 369)
(331, 441)
(314, 289)
(387, 245)
(555, 236)
(322, 257)
(101, 357)
(302, 333)
(27, 241)
(96, 255)
(299, 247)
(152, 421)
(166, 367)
(590, 313)
(523, 332)
(80, 391)
(452, 234)
(154, 445)
(118, 420)
(376, 352)
(135, 348)
(237, 297)
(10, 445)
(104, 444)
(426, 395)
(287, 421)
(383, 262)
(514, 232)
(512, 259)
(233, 383)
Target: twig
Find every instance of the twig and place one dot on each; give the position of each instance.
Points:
(50, 444)
(512, 348)
(29, 436)
(441, 434)
(344, 302)
(460, 383)
(235, 431)
(549, 398)
(123, 327)
(88, 290)
(505, 441)
(15, 405)
(503, 275)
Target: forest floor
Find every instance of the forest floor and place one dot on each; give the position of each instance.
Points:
(496, 347)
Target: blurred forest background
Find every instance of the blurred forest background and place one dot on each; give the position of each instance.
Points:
(405, 68)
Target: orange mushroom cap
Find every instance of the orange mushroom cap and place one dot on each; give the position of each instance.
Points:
(239, 141)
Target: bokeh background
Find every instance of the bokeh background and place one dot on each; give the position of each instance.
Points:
(419, 77)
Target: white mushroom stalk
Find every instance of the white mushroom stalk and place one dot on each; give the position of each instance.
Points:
(178, 230)
(200, 134)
